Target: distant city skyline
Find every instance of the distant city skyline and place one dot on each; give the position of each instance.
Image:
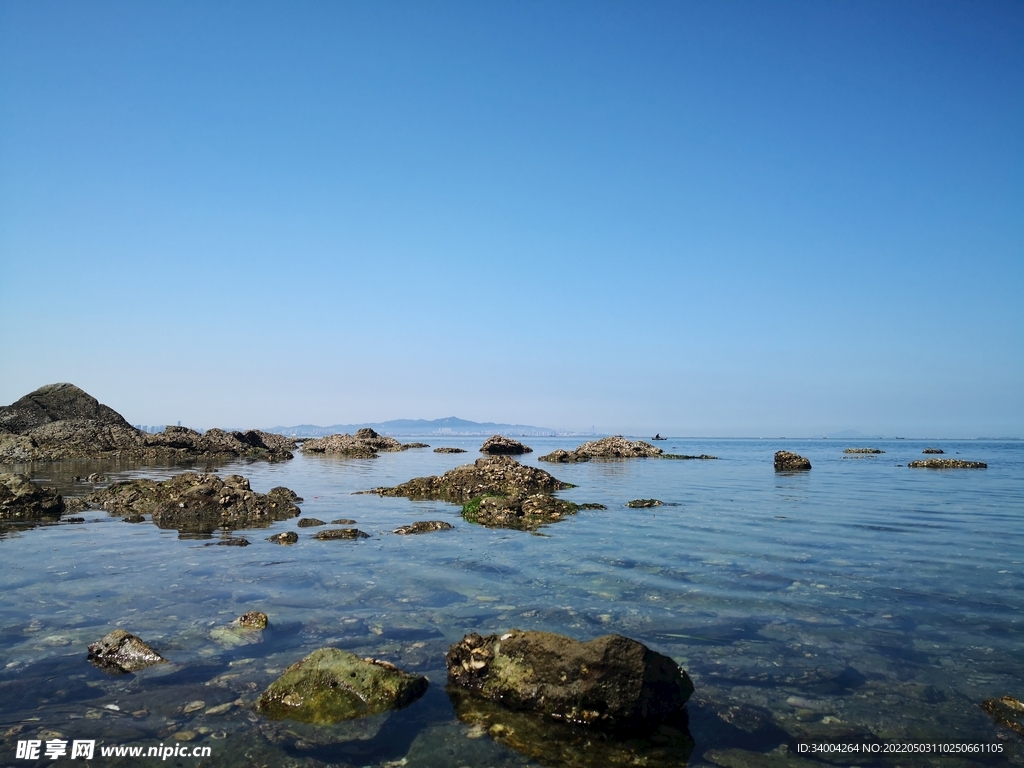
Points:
(723, 219)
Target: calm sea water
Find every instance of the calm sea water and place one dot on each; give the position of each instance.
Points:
(862, 597)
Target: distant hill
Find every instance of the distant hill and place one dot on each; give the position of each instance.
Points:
(449, 426)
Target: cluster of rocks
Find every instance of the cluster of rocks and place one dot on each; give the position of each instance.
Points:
(863, 450)
(504, 446)
(198, 503)
(526, 514)
(947, 464)
(616, 447)
(493, 475)
(785, 461)
(23, 500)
(364, 444)
(445, 449)
(60, 421)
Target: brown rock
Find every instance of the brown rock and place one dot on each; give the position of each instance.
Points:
(341, 533)
(120, 651)
(790, 462)
(947, 464)
(253, 620)
(495, 475)
(424, 526)
(499, 445)
(616, 447)
(22, 499)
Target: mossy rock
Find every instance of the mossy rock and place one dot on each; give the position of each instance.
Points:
(331, 685)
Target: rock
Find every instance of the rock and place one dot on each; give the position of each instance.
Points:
(364, 444)
(406, 446)
(133, 519)
(331, 685)
(616, 447)
(310, 522)
(640, 503)
(424, 526)
(74, 520)
(197, 503)
(22, 499)
(527, 514)
(495, 475)
(948, 464)
(703, 456)
(341, 533)
(120, 651)
(933, 450)
(253, 620)
(1007, 712)
(505, 446)
(789, 462)
(288, 537)
(75, 504)
(231, 541)
(56, 402)
(449, 450)
(612, 682)
(863, 450)
(343, 521)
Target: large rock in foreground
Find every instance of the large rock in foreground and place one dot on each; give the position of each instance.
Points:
(331, 685)
(119, 652)
(21, 499)
(364, 444)
(525, 514)
(611, 682)
(504, 446)
(947, 464)
(198, 503)
(790, 462)
(616, 447)
(494, 476)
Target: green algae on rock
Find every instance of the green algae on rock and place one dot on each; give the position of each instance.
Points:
(330, 685)
(521, 513)
(119, 652)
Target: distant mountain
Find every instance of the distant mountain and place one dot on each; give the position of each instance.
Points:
(449, 426)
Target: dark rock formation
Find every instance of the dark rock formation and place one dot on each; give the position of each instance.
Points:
(641, 503)
(863, 450)
(933, 450)
(504, 446)
(526, 514)
(230, 541)
(947, 464)
(343, 521)
(253, 620)
(341, 533)
(1007, 712)
(449, 450)
(611, 682)
(21, 499)
(423, 526)
(789, 462)
(60, 421)
(119, 652)
(331, 685)
(495, 475)
(616, 447)
(198, 503)
(406, 446)
(310, 522)
(364, 444)
(681, 456)
(288, 537)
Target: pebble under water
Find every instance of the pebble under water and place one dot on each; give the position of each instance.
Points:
(862, 599)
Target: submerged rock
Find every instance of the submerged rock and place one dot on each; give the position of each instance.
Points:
(310, 522)
(495, 475)
(424, 526)
(120, 651)
(611, 682)
(1007, 712)
(198, 503)
(786, 461)
(22, 499)
(341, 533)
(641, 503)
(526, 514)
(364, 444)
(933, 450)
(863, 450)
(947, 464)
(703, 457)
(449, 450)
(504, 446)
(331, 685)
(616, 447)
(288, 537)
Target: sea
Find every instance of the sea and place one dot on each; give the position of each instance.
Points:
(861, 602)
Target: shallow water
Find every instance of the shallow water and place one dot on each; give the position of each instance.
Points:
(862, 597)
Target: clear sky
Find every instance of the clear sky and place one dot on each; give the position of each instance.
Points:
(701, 218)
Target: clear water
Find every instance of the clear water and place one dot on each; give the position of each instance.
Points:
(860, 597)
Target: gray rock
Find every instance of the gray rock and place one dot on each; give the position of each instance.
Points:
(341, 533)
(22, 499)
(947, 464)
(616, 447)
(499, 445)
(786, 461)
(288, 537)
(449, 450)
(423, 526)
(642, 503)
(120, 651)
(933, 450)
(310, 522)
(494, 475)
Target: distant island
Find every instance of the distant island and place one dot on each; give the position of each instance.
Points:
(450, 426)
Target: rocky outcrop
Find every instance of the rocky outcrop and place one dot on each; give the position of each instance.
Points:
(790, 462)
(60, 421)
(863, 450)
(494, 475)
(287, 537)
(310, 522)
(22, 499)
(504, 446)
(341, 533)
(364, 444)
(947, 464)
(616, 447)
(330, 685)
(120, 651)
(449, 450)
(643, 503)
(1007, 712)
(198, 503)
(253, 620)
(684, 457)
(423, 526)
(933, 450)
(525, 514)
(611, 683)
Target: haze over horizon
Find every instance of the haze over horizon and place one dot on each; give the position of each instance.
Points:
(722, 219)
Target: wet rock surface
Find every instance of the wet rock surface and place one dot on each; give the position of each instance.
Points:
(119, 652)
(947, 464)
(611, 683)
(364, 444)
(253, 620)
(933, 450)
(22, 499)
(526, 514)
(616, 447)
(310, 522)
(785, 461)
(863, 450)
(331, 685)
(494, 475)
(198, 503)
(684, 457)
(444, 449)
(341, 533)
(1007, 712)
(642, 503)
(287, 537)
(423, 526)
(499, 445)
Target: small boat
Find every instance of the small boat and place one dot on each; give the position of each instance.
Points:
(659, 437)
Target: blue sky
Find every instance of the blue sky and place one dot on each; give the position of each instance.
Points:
(716, 218)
